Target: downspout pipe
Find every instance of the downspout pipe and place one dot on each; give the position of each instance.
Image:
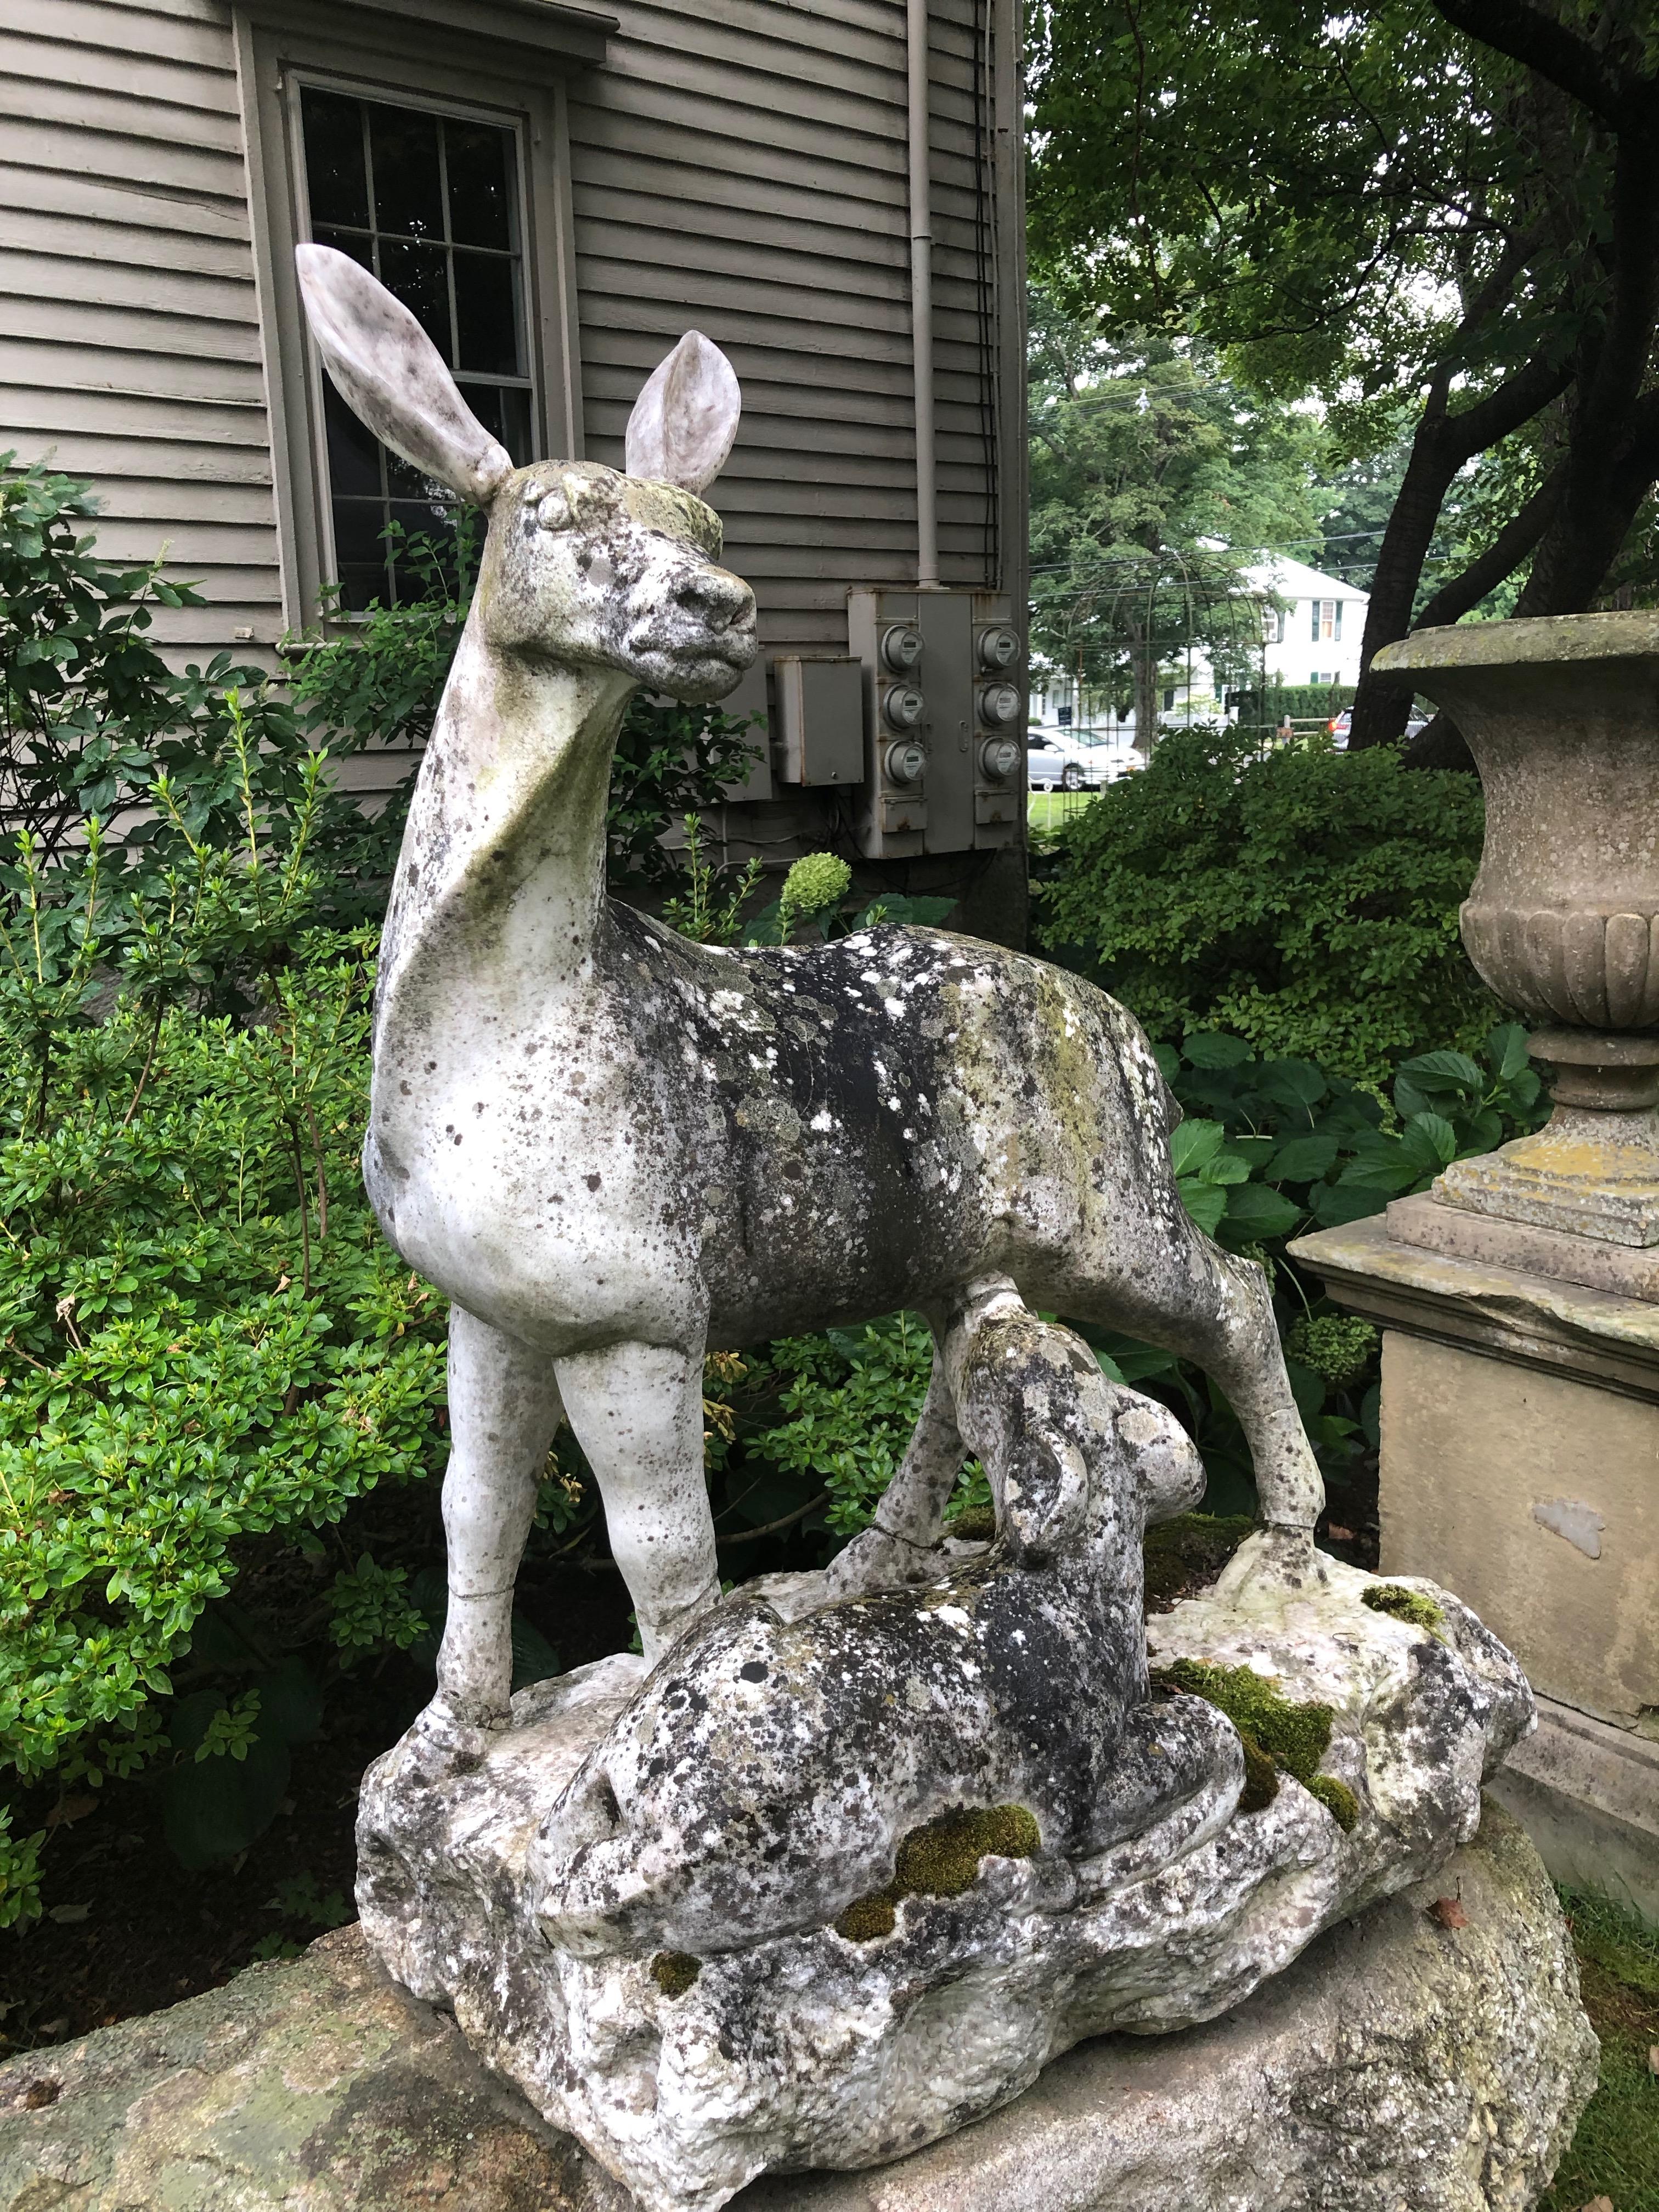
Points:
(922, 291)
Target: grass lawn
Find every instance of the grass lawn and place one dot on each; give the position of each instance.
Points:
(1615, 2154)
(1048, 809)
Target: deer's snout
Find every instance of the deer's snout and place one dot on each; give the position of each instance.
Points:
(716, 597)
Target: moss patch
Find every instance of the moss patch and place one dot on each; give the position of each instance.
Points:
(1260, 1777)
(942, 1859)
(674, 1971)
(1410, 1606)
(1338, 1800)
(1616, 2152)
(1278, 1737)
(974, 1524)
(1187, 1553)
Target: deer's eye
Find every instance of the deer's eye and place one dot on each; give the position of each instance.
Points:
(554, 512)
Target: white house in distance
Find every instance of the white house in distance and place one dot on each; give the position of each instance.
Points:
(1315, 639)
(1312, 627)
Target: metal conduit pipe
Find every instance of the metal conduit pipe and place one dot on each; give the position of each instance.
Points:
(922, 291)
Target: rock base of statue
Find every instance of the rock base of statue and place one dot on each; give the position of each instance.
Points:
(926, 2005)
(1420, 2054)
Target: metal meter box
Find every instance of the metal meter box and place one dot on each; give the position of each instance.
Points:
(999, 722)
(818, 714)
(944, 683)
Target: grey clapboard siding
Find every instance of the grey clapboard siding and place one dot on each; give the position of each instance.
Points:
(129, 328)
(737, 164)
(740, 166)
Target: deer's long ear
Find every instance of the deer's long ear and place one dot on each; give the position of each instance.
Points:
(684, 421)
(393, 377)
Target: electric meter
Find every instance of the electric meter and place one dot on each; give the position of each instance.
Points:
(999, 757)
(999, 648)
(905, 762)
(902, 706)
(1000, 703)
(900, 648)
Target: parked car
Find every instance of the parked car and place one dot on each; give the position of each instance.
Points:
(1078, 760)
(1339, 724)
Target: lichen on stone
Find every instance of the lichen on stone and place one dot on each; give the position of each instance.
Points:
(1277, 1735)
(674, 1971)
(942, 1859)
(1402, 1604)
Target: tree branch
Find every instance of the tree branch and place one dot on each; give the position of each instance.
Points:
(1516, 401)
(1620, 98)
(1501, 558)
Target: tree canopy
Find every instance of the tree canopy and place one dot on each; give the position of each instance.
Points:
(1446, 212)
(1154, 479)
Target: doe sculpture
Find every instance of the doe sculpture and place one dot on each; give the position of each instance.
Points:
(615, 1150)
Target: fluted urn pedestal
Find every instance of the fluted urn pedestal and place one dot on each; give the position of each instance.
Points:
(1563, 921)
(1519, 1302)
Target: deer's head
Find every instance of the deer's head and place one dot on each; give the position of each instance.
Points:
(582, 565)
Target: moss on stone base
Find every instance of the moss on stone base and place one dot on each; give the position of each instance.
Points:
(674, 1971)
(1338, 1800)
(1409, 1606)
(1187, 1553)
(1278, 1736)
(942, 1859)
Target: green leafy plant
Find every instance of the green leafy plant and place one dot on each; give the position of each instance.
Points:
(1272, 1148)
(1306, 901)
(709, 908)
(371, 1610)
(203, 1338)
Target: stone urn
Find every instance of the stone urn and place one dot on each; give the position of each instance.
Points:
(1562, 923)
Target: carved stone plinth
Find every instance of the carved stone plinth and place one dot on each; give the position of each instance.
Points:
(1520, 1462)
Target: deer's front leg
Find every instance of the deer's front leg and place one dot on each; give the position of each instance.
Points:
(637, 1413)
(503, 1412)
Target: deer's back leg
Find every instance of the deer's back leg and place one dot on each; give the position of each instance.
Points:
(1187, 1295)
(504, 1413)
(637, 1413)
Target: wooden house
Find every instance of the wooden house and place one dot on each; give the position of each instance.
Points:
(559, 190)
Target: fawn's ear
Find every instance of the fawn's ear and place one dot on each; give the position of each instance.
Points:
(684, 421)
(393, 377)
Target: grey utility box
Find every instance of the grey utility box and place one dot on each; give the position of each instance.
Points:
(818, 710)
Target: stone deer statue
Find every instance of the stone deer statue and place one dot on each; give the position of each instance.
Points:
(615, 1150)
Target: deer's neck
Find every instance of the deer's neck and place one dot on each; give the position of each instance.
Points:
(501, 875)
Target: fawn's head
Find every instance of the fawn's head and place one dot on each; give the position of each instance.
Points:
(582, 565)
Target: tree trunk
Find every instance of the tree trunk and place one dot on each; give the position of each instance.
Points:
(1143, 672)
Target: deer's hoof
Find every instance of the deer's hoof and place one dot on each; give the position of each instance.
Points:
(877, 1561)
(450, 1737)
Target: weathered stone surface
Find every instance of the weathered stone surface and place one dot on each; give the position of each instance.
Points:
(1399, 2060)
(312, 2086)
(821, 1889)
(1488, 1461)
(613, 1148)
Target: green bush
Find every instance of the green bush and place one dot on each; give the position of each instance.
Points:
(1306, 902)
(203, 1338)
(1271, 1149)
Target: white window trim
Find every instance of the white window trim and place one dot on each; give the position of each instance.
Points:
(281, 42)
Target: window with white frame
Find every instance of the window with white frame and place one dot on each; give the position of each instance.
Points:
(1327, 621)
(1272, 625)
(431, 202)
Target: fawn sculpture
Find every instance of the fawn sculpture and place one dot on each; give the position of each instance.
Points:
(614, 1149)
